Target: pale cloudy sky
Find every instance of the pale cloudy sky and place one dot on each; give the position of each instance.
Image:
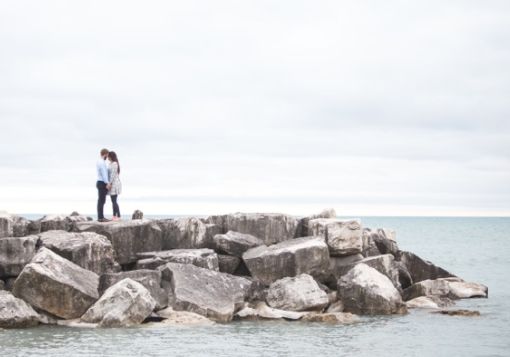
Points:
(371, 107)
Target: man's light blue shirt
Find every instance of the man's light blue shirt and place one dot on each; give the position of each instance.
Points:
(102, 171)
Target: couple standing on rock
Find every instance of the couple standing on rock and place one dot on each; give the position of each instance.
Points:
(108, 183)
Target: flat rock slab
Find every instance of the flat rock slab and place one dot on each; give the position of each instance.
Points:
(235, 243)
(460, 312)
(172, 317)
(15, 253)
(127, 303)
(298, 293)
(203, 258)
(308, 255)
(365, 291)
(188, 233)
(261, 311)
(271, 228)
(332, 318)
(89, 250)
(16, 313)
(128, 238)
(61, 222)
(56, 285)
(343, 237)
(208, 293)
(453, 288)
(150, 279)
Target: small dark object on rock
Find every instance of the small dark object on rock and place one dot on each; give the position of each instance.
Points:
(74, 214)
(459, 312)
(137, 214)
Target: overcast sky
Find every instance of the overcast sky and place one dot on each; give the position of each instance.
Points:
(370, 107)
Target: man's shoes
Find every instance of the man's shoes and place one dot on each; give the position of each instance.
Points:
(102, 220)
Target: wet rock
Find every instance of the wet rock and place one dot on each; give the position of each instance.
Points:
(15, 253)
(453, 288)
(188, 233)
(137, 214)
(260, 310)
(269, 227)
(342, 237)
(172, 317)
(420, 269)
(128, 238)
(289, 258)
(206, 292)
(302, 230)
(235, 243)
(16, 313)
(150, 279)
(465, 290)
(422, 302)
(56, 285)
(61, 222)
(365, 291)
(298, 293)
(203, 258)
(228, 263)
(460, 312)
(88, 250)
(127, 303)
(332, 318)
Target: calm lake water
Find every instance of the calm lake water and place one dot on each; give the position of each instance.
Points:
(476, 249)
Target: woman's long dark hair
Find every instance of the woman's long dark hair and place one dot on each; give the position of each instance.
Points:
(113, 158)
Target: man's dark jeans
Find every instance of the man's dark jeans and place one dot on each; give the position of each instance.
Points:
(102, 191)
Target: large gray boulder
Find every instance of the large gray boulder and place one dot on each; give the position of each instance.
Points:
(308, 255)
(15, 253)
(188, 233)
(420, 269)
(235, 243)
(89, 250)
(128, 238)
(61, 222)
(298, 293)
(342, 237)
(269, 227)
(203, 258)
(15, 313)
(365, 291)
(150, 279)
(127, 303)
(302, 230)
(209, 293)
(6, 224)
(452, 288)
(379, 241)
(56, 285)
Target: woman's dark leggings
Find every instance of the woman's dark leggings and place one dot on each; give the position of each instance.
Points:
(116, 210)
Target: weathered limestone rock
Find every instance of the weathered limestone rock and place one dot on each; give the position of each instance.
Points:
(453, 288)
(61, 222)
(308, 255)
(332, 318)
(128, 238)
(188, 233)
(298, 293)
(203, 258)
(269, 227)
(420, 269)
(422, 302)
(15, 253)
(127, 303)
(150, 279)
(460, 312)
(2, 285)
(15, 313)
(172, 317)
(56, 285)
(260, 310)
(337, 306)
(206, 292)
(137, 214)
(342, 237)
(89, 250)
(365, 291)
(302, 230)
(235, 243)
(228, 263)
(6, 224)
(379, 241)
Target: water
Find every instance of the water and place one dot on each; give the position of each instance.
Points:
(476, 249)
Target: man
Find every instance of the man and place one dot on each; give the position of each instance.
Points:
(102, 185)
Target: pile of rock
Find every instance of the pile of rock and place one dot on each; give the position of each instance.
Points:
(73, 271)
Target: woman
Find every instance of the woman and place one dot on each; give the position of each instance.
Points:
(114, 187)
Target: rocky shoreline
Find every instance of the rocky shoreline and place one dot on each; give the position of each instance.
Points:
(72, 271)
